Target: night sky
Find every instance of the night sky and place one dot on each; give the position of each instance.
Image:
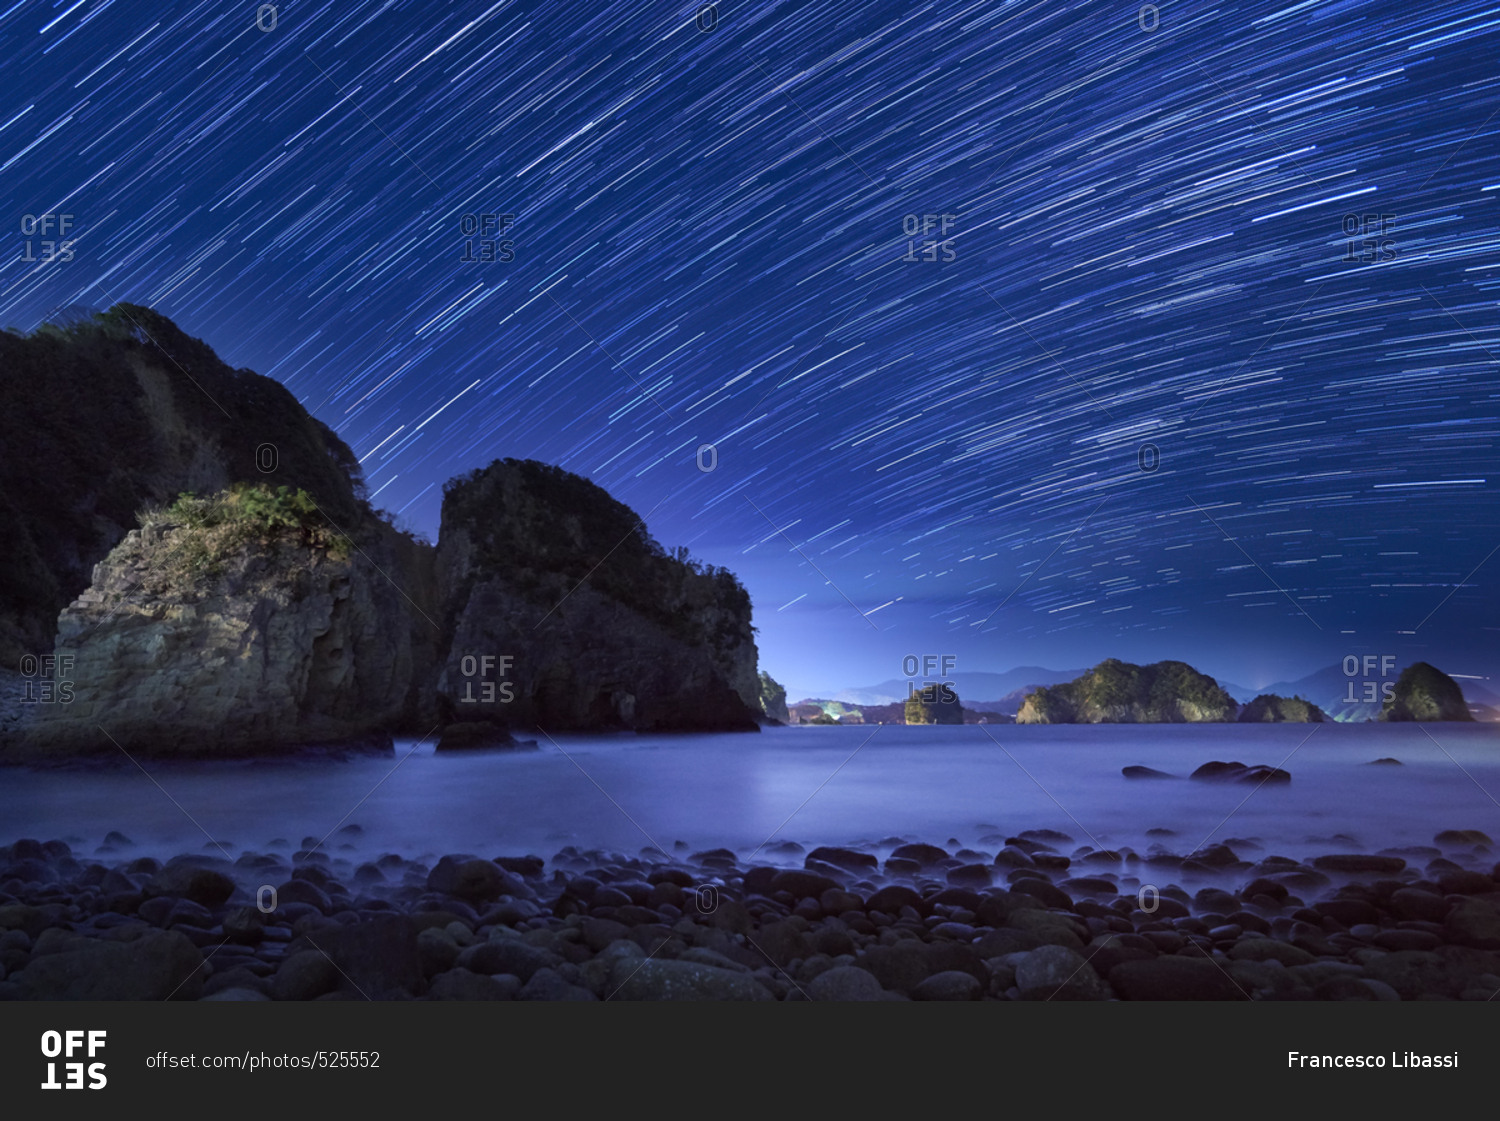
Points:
(1199, 364)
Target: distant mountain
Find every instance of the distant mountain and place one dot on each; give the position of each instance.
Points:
(1009, 687)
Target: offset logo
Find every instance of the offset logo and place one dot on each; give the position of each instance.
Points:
(932, 692)
(491, 229)
(66, 1045)
(1375, 690)
(480, 667)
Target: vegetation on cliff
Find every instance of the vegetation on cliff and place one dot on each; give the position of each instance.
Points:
(1268, 708)
(202, 535)
(1424, 692)
(1120, 692)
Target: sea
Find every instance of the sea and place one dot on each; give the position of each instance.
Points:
(872, 785)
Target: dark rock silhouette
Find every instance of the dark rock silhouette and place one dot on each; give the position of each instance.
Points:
(1144, 772)
(1238, 772)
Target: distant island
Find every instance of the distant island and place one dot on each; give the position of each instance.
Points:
(1424, 692)
(934, 704)
(1116, 692)
(1268, 708)
(1167, 692)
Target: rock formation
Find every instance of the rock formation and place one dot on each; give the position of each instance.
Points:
(213, 631)
(280, 610)
(562, 613)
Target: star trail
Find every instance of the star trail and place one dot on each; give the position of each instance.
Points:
(1035, 333)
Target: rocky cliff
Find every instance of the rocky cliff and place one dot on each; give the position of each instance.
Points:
(280, 610)
(1116, 692)
(1424, 692)
(239, 624)
(561, 612)
(117, 412)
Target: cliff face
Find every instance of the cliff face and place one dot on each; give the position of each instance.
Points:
(1116, 692)
(562, 613)
(1424, 692)
(1268, 708)
(122, 411)
(203, 637)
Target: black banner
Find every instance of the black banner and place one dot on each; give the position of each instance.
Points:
(86, 1056)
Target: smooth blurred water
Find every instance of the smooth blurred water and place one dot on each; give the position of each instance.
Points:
(812, 785)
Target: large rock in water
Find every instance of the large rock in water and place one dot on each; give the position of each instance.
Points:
(1116, 692)
(563, 613)
(219, 630)
(1424, 692)
(1218, 771)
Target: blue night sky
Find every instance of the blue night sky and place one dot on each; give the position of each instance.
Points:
(1199, 364)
